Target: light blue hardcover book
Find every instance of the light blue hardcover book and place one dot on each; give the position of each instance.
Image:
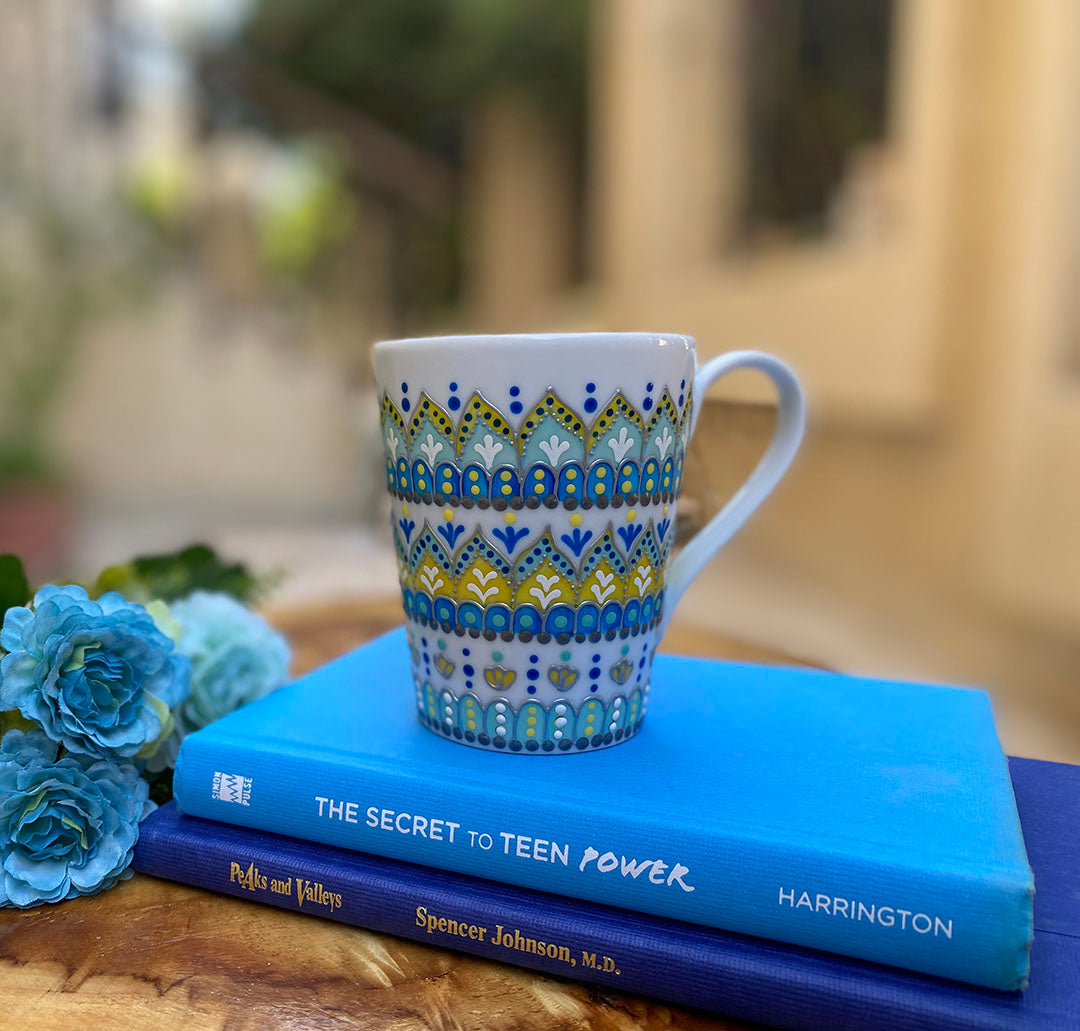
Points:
(869, 818)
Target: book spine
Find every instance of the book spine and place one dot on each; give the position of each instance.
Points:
(855, 903)
(490, 923)
(680, 963)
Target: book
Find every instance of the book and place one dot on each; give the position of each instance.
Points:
(744, 978)
(869, 818)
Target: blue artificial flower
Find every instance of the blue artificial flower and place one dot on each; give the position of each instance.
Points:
(99, 676)
(236, 657)
(67, 827)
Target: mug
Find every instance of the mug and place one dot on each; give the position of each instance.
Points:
(534, 481)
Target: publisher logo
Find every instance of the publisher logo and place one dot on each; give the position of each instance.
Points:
(232, 787)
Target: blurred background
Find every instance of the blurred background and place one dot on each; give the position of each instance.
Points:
(209, 210)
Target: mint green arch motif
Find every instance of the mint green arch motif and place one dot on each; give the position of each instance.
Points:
(617, 434)
(662, 431)
(665, 545)
(603, 549)
(395, 434)
(499, 720)
(479, 546)
(447, 714)
(430, 704)
(590, 720)
(531, 724)
(560, 722)
(616, 715)
(484, 435)
(431, 433)
(428, 541)
(470, 715)
(552, 433)
(543, 549)
(646, 548)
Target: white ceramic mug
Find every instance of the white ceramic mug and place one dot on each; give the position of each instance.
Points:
(534, 482)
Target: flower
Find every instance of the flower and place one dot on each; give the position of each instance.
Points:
(99, 676)
(563, 677)
(236, 657)
(499, 677)
(444, 664)
(621, 670)
(67, 827)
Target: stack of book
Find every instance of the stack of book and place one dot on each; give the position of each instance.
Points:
(794, 848)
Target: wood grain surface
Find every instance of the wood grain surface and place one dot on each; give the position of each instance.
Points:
(153, 954)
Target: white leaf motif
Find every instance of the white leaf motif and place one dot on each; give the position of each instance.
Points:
(483, 578)
(554, 448)
(544, 593)
(429, 577)
(621, 444)
(643, 579)
(482, 594)
(392, 442)
(431, 447)
(663, 443)
(488, 450)
(605, 582)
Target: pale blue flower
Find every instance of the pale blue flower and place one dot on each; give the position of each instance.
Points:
(98, 676)
(236, 657)
(67, 827)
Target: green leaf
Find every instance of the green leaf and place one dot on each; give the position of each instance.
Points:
(176, 574)
(122, 580)
(12, 719)
(14, 590)
(160, 786)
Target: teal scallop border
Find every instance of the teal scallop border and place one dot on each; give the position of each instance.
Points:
(558, 728)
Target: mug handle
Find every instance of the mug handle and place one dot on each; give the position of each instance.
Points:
(790, 421)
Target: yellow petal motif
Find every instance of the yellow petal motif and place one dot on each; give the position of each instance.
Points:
(563, 677)
(499, 677)
(620, 672)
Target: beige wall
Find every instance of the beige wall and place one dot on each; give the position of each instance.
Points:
(936, 494)
(217, 417)
(520, 209)
(892, 330)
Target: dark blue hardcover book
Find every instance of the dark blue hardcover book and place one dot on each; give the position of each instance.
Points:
(746, 978)
(870, 818)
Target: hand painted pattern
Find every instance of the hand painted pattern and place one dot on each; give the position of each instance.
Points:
(531, 727)
(590, 591)
(622, 457)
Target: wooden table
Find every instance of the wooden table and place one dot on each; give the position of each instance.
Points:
(153, 954)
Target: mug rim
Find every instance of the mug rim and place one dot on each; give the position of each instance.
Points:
(501, 340)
